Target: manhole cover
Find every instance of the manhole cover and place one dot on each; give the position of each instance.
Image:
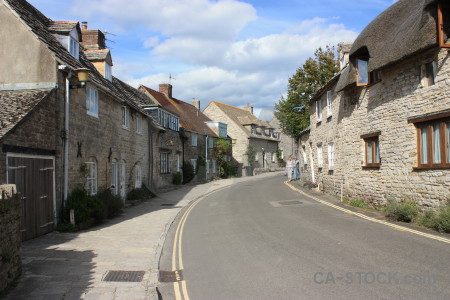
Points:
(124, 276)
(170, 276)
(293, 202)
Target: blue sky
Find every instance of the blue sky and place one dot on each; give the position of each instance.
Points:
(235, 52)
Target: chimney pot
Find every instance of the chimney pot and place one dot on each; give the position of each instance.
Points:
(84, 25)
(195, 102)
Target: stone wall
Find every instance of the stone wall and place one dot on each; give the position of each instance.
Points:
(10, 239)
(192, 152)
(287, 144)
(384, 107)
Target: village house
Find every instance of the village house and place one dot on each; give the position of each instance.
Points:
(245, 129)
(193, 136)
(380, 129)
(288, 145)
(59, 129)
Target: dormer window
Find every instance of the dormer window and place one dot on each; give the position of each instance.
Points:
(108, 71)
(253, 129)
(362, 71)
(444, 25)
(74, 48)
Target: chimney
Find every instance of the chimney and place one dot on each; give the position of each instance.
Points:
(92, 39)
(344, 51)
(84, 25)
(196, 103)
(249, 108)
(166, 89)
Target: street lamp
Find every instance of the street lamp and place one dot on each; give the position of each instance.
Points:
(83, 76)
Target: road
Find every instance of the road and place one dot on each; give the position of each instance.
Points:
(263, 240)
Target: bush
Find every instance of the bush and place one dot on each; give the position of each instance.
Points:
(427, 219)
(140, 194)
(188, 172)
(112, 204)
(86, 207)
(66, 227)
(228, 169)
(309, 184)
(404, 211)
(177, 178)
(442, 221)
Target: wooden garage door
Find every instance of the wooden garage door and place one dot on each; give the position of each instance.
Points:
(34, 179)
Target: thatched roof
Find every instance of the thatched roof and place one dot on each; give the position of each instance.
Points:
(405, 28)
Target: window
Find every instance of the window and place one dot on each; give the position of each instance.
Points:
(263, 131)
(194, 139)
(178, 162)
(319, 110)
(329, 101)
(123, 187)
(233, 141)
(207, 166)
(214, 167)
(362, 71)
(428, 74)
(371, 150)
(253, 129)
(115, 177)
(444, 25)
(125, 117)
(319, 156)
(274, 156)
(375, 76)
(138, 124)
(210, 142)
(92, 101)
(91, 179)
(108, 71)
(165, 168)
(433, 139)
(331, 156)
(74, 48)
(138, 175)
(194, 164)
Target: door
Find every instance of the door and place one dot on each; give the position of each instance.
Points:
(34, 179)
(115, 177)
(123, 191)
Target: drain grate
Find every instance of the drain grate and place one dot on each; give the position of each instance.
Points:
(293, 202)
(124, 276)
(170, 276)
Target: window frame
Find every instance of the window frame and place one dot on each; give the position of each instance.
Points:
(194, 139)
(373, 140)
(443, 121)
(164, 163)
(138, 177)
(329, 102)
(108, 71)
(441, 6)
(138, 124)
(366, 59)
(125, 117)
(92, 101)
(74, 48)
(194, 164)
(319, 110)
(92, 177)
(319, 156)
(331, 155)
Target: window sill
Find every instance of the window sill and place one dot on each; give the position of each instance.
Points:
(126, 128)
(92, 114)
(424, 168)
(371, 166)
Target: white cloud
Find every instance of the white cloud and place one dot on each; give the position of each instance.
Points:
(151, 42)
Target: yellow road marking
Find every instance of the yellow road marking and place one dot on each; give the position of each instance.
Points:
(347, 211)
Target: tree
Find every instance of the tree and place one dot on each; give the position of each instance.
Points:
(251, 154)
(302, 86)
(222, 148)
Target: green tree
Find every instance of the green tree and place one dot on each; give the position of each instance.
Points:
(221, 149)
(251, 154)
(302, 86)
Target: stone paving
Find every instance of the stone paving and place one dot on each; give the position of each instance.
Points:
(74, 265)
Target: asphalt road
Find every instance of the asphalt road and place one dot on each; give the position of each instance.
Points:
(262, 240)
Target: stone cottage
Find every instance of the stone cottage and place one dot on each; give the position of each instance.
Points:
(245, 129)
(192, 138)
(60, 129)
(380, 129)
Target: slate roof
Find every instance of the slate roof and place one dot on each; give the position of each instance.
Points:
(402, 30)
(40, 25)
(243, 117)
(191, 119)
(16, 105)
(64, 27)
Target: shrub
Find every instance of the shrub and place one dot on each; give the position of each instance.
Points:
(309, 184)
(427, 219)
(66, 227)
(112, 204)
(140, 194)
(442, 221)
(228, 169)
(177, 178)
(404, 211)
(188, 172)
(358, 203)
(86, 207)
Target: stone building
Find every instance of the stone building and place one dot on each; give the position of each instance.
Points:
(194, 139)
(246, 129)
(58, 130)
(288, 145)
(380, 129)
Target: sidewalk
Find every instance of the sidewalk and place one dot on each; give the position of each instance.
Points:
(75, 265)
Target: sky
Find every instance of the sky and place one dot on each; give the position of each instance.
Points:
(234, 52)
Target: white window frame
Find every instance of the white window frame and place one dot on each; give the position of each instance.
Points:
(74, 48)
(138, 124)
(210, 142)
(178, 163)
(125, 117)
(92, 101)
(138, 177)
(319, 156)
(331, 156)
(91, 179)
(194, 163)
(108, 71)
(319, 110)
(194, 139)
(329, 101)
(274, 156)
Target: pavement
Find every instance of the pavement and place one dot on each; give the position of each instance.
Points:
(83, 265)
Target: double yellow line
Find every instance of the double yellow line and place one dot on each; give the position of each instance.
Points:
(397, 227)
(179, 285)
